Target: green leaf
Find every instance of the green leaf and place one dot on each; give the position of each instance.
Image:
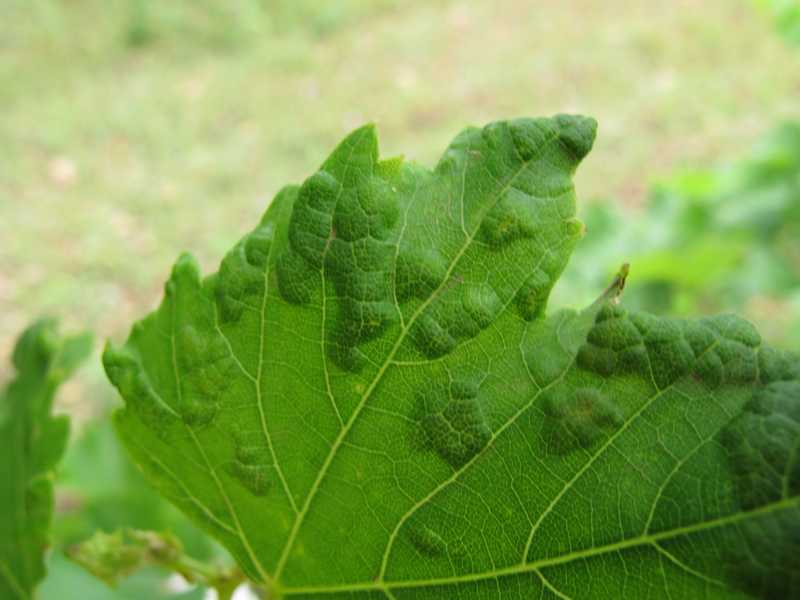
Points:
(367, 399)
(32, 442)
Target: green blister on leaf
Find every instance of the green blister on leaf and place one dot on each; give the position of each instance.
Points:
(374, 401)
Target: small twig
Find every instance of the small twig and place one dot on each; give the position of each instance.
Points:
(614, 290)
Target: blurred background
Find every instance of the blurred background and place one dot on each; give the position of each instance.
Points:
(131, 130)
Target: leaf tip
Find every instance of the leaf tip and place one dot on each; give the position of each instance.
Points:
(578, 133)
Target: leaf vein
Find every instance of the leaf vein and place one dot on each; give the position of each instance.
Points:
(382, 370)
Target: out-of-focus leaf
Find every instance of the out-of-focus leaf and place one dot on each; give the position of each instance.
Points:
(706, 240)
(99, 488)
(700, 263)
(786, 14)
(116, 556)
(31, 444)
(67, 580)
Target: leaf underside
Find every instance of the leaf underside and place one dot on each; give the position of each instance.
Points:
(32, 442)
(368, 400)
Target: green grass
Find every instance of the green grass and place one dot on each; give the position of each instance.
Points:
(130, 131)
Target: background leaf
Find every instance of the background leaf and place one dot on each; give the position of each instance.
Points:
(32, 442)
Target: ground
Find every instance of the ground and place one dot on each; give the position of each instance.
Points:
(132, 132)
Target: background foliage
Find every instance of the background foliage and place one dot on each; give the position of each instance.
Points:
(706, 241)
(134, 129)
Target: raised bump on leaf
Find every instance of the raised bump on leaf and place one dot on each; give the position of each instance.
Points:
(426, 540)
(739, 361)
(579, 417)
(734, 328)
(602, 361)
(453, 422)
(577, 133)
(366, 211)
(126, 374)
(256, 478)
(776, 365)
(532, 296)
(514, 216)
(462, 316)
(257, 245)
(482, 304)
(575, 228)
(762, 446)
(418, 272)
(209, 363)
(340, 222)
(762, 442)
(709, 368)
(312, 217)
(712, 349)
(432, 337)
(238, 285)
(198, 413)
(532, 213)
(297, 280)
(252, 462)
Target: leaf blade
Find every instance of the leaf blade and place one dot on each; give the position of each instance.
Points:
(32, 442)
(371, 371)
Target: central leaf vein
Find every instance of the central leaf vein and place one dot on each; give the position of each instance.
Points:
(387, 363)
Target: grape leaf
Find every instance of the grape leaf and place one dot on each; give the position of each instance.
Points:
(367, 399)
(31, 444)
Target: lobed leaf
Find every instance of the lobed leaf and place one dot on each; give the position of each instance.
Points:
(368, 399)
(32, 442)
